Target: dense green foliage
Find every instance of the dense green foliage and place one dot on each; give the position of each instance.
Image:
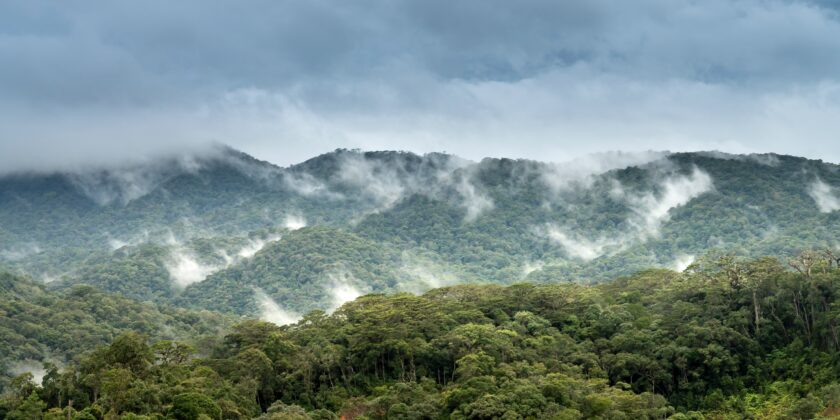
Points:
(38, 325)
(139, 273)
(728, 338)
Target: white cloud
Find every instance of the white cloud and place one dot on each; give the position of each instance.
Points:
(531, 266)
(824, 196)
(652, 209)
(34, 367)
(681, 262)
(270, 311)
(582, 171)
(341, 288)
(137, 179)
(253, 246)
(305, 184)
(649, 211)
(20, 252)
(423, 274)
(378, 180)
(115, 244)
(385, 179)
(122, 181)
(169, 238)
(472, 200)
(185, 268)
(143, 236)
(294, 222)
(49, 278)
(577, 246)
(767, 159)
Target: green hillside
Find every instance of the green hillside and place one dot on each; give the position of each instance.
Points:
(299, 270)
(729, 338)
(37, 325)
(410, 222)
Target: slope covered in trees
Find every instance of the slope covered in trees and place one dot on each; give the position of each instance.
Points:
(302, 270)
(168, 231)
(159, 271)
(728, 338)
(38, 325)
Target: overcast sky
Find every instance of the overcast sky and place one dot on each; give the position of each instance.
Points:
(84, 81)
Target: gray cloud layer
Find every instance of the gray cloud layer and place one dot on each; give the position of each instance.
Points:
(85, 82)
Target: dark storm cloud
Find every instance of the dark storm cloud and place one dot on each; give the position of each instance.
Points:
(87, 82)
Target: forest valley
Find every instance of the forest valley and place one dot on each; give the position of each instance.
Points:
(728, 338)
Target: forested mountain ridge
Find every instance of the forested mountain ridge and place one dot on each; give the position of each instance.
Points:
(158, 231)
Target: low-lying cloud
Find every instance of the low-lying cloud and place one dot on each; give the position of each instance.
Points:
(117, 243)
(766, 159)
(380, 181)
(385, 179)
(824, 195)
(578, 246)
(253, 246)
(532, 266)
(123, 181)
(652, 209)
(423, 274)
(681, 262)
(307, 185)
(124, 184)
(474, 201)
(185, 268)
(294, 222)
(649, 210)
(20, 252)
(583, 171)
(270, 311)
(342, 288)
(34, 367)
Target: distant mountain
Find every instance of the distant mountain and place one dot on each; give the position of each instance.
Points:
(223, 230)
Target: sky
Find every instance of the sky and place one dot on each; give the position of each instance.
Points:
(85, 82)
